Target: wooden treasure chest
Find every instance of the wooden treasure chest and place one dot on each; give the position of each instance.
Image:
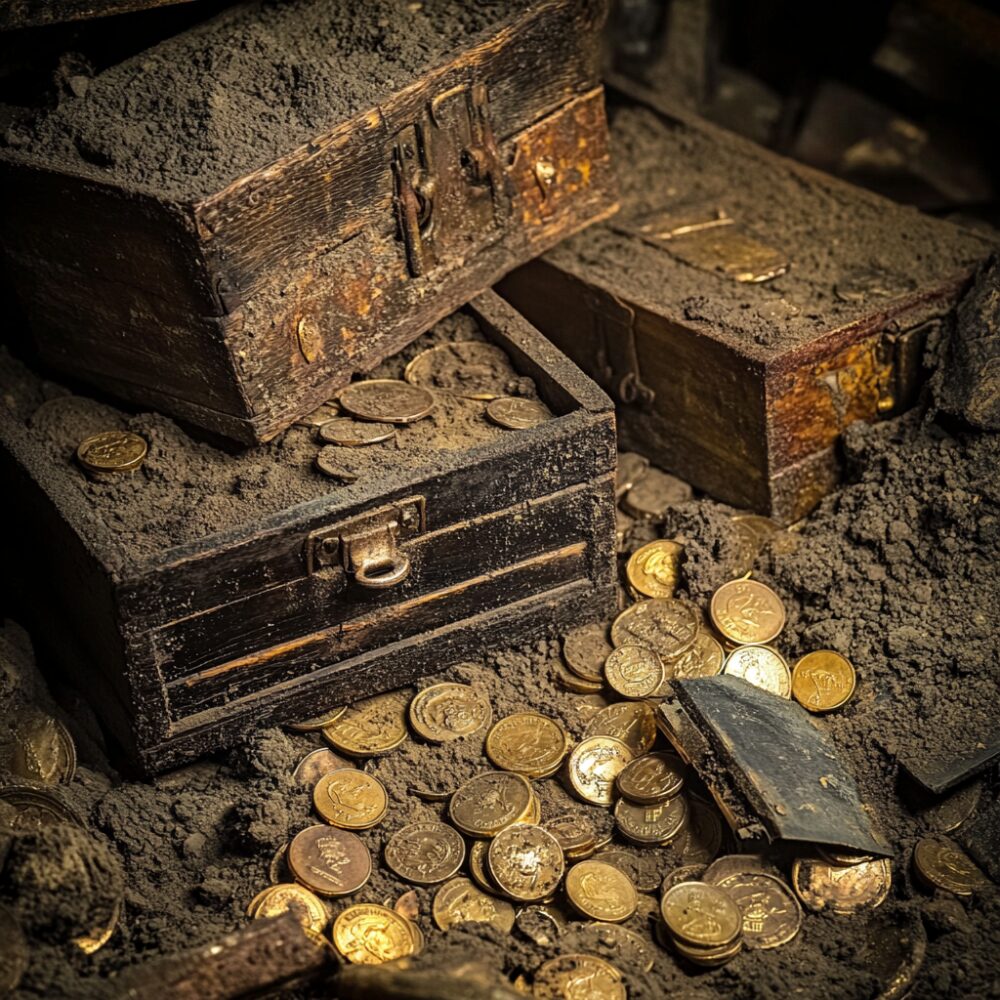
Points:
(207, 592)
(229, 225)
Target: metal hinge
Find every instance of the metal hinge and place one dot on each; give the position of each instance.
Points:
(903, 359)
(617, 360)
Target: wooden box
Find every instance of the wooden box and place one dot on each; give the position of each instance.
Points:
(236, 277)
(192, 613)
(737, 381)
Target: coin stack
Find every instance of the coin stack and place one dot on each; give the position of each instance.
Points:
(703, 923)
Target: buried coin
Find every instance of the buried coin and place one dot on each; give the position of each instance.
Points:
(594, 765)
(761, 666)
(941, 864)
(703, 659)
(350, 799)
(631, 468)
(327, 718)
(771, 914)
(448, 711)
(408, 905)
(371, 727)
(600, 891)
(317, 763)
(574, 833)
(487, 803)
(526, 862)
(459, 902)
(304, 905)
(517, 414)
(634, 671)
(329, 861)
(25, 809)
(822, 680)
(578, 977)
(323, 413)
(841, 889)
(542, 923)
(529, 743)
(685, 873)
(386, 400)
(330, 461)
(585, 649)
(668, 627)
(100, 935)
(702, 916)
(43, 750)
(112, 451)
(651, 824)
(632, 722)
(747, 612)
(472, 369)
(629, 946)
(369, 934)
(425, 853)
(278, 870)
(652, 778)
(652, 495)
(350, 433)
(701, 839)
(948, 813)
(653, 569)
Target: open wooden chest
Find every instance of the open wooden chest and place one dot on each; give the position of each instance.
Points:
(231, 224)
(209, 592)
(742, 309)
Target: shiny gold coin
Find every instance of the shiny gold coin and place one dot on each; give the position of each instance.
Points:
(761, 666)
(472, 369)
(640, 867)
(529, 743)
(822, 680)
(99, 936)
(323, 413)
(601, 891)
(702, 916)
(594, 765)
(526, 862)
(487, 803)
(350, 433)
(479, 867)
(445, 712)
(371, 727)
(316, 763)
(633, 950)
(709, 958)
(295, 899)
(634, 671)
(350, 799)
(329, 861)
(386, 400)
(652, 778)
(517, 414)
(632, 722)
(737, 864)
(43, 750)
(942, 864)
(459, 902)
(23, 808)
(574, 833)
(578, 977)
(652, 824)
(112, 451)
(585, 649)
(327, 718)
(667, 627)
(703, 659)
(369, 934)
(841, 889)
(587, 706)
(771, 914)
(571, 682)
(747, 612)
(425, 853)
(419, 941)
(654, 569)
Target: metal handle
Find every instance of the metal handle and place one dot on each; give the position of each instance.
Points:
(383, 572)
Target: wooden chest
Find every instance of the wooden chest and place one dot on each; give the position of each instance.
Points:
(231, 224)
(210, 592)
(742, 310)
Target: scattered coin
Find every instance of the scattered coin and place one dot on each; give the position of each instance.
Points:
(633, 951)
(34, 809)
(425, 853)
(408, 905)
(654, 569)
(526, 862)
(479, 867)
(708, 957)
(278, 870)
(330, 461)
(112, 451)
(634, 671)
(459, 902)
(417, 934)
(841, 889)
(771, 914)
(737, 864)
(321, 415)
(942, 864)
(747, 612)
(762, 528)
(517, 414)
(652, 824)
(316, 763)
(589, 705)
(371, 727)
(652, 778)
(369, 934)
(652, 496)
(631, 468)
(291, 898)
(318, 722)
(761, 666)
(575, 977)
(601, 891)
(487, 803)
(528, 743)
(585, 649)
(13, 952)
(632, 722)
(704, 659)
(948, 813)
(449, 711)
(386, 400)
(822, 680)
(572, 682)
(541, 923)
(667, 627)
(329, 861)
(703, 916)
(575, 835)
(350, 433)
(472, 369)
(594, 765)
(350, 799)
(43, 750)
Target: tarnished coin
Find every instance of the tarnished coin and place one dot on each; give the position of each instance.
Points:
(112, 451)
(43, 750)
(408, 905)
(329, 861)
(822, 680)
(291, 898)
(350, 799)
(371, 727)
(841, 889)
(425, 853)
(951, 811)
(316, 763)
(747, 612)
(942, 864)
(278, 870)
(13, 952)
(517, 414)
(641, 867)
(526, 862)
(634, 671)
(667, 627)
(578, 977)
(654, 569)
(321, 415)
(601, 891)
(631, 468)
(487, 803)
(585, 649)
(653, 495)
(528, 743)
(702, 837)
(448, 711)
(685, 873)
(459, 902)
(542, 923)
(761, 666)
(101, 934)
(350, 433)
(632, 722)
(332, 463)
(628, 946)
(652, 824)
(386, 400)
(703, 659)
(573, 682)
(771, 914)
(594, 765)
(369, 934)
(472, 369)
(704, 916)
(738, 864)
(327, 718)
(31, 809)
(652, 778)
(574, 833)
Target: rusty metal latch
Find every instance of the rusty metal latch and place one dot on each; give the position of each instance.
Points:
(367, 547)
(617, 360)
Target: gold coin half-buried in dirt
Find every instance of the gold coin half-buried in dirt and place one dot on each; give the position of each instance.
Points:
(371, 727)
(632, 722)
(350, 433)
(425, 853)
(350, 799)
(652, 778)
(667, 627)
(841, 888)
(316, 763)
(634, 671)
(585, 649)
(23, 808)
(704, 916)
(600, 891)
(761, 666)
(822, 680)
(459, 902)
(304, 905)
(449, 711)
(578, 977)
(747, 612)
(530, 744)
(526, 862)
(43, 750)
(594, 765)
(487, 803)
(112, 451)
(329, 861)
(327, 718)
(517, 414)
(657, 823)
(369, 934)
(941, 864)
(771, 914)
(100, 935)
(386, 400)
(653, 569)
(472, 369)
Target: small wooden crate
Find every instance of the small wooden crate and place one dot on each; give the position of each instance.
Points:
(185, 648)
(738, 382)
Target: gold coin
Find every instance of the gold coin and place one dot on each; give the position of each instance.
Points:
(634, 671)
(822, 680)
(316, 763)
(600, 891)
(841, 888)
(332, 462)
(369, 934)
(652, 778)
(737, 864)
(703, 916)
(43, 750)
(571, 682)
(329, 861)
(574, 833)
(425, 853)
(747, 612)
(617, 940)
(350, 799)
(459, 902)
(941, 864)
(278, 870)
(445, 712)
(23, 808)
(408, 905)
(291, 898)
(578, 977)
(99, 936)
(487, 803)
(652, 496)
(652, 824)
(386, 400)
(653, 570)
(588, 706)
(708, 957)
(543, 924)
(667, 627)
(685, 873)
(528, 743)
(479, 868)
(371, 727)
(761, 666)
(771, 914)
(350, 433)
(632, 722)
(323, 413)
(585, 649)
(949, 813)
(703, 659)
(594, 765)
(702, 837)
(526, 862)
(517, 414)
(471, 369)
(112, 451)
(418, 936)
(318, 722)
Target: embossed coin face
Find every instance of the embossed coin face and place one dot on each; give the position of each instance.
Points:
(822, 680)
(487, 803)
(328, 861)
(291, 898)
(667, 627)
(747, 612)
(23, 808)
(942, 864)
(517, 414)
(704, 916)
(594, 765)
(841, 889)
(316, 763)
(528, 743)
(112, 451)
(600, 891)
(634, 671)
(578, 977)
(350, 433)
(459, 902)
(771, 914)
(386, 400)
(425, 853)
(657, 823)
(632, 722)
(445, 712)
(526, 862)
(13, 952)
(585, 649)
(369, 934)
(761, 666)
(703, 659)
(472, 369)
(43, 750)
(654, 569)
(350, 799)
(371, 727)
(327, 718)
(652, 778)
